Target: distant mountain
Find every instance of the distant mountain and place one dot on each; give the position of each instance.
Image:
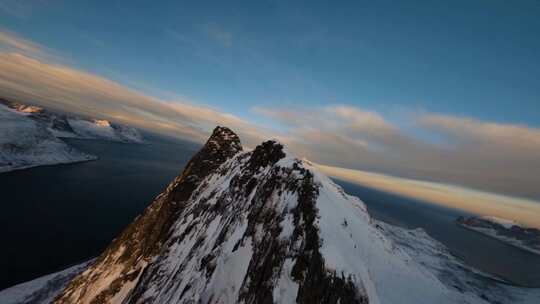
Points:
(31, 136)
(62, 125)
(25, 143)
(261, 226)
(504, 230)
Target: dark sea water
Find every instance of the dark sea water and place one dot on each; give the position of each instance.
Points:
(56, 216)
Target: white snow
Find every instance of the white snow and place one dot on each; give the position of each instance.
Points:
(286, 288)
(41, 290)
(229, 274)
(92, 129)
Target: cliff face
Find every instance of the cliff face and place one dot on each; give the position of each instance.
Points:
(127, 256)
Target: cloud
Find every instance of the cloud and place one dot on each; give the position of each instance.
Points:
(502, 158)
(11, 42)
(466, 130)
(341, 135)
(524, 211)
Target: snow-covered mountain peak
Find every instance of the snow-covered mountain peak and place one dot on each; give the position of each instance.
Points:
(233, 227)
(257, 226)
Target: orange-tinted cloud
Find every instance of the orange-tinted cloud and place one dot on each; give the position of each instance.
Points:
(495, 157)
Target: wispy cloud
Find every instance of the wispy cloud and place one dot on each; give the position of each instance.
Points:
(10, 41)
(496, 157)
(465, 130)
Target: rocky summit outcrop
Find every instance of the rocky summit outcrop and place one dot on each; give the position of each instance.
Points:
(255, 226)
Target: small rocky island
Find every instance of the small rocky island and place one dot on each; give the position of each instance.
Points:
(504, 230)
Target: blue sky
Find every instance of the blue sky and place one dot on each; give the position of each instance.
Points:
(439, 91)
(471, 58)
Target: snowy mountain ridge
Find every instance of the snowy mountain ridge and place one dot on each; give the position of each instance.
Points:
(264, 227)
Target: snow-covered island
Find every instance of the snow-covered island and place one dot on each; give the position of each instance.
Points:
(505, 230)
(71, 126)
(25, 143)
(32, 136)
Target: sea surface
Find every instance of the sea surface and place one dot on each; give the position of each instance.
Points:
(57, 216)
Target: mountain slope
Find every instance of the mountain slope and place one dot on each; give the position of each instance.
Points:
(123, 261)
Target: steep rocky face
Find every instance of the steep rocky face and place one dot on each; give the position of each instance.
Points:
(123, 261)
